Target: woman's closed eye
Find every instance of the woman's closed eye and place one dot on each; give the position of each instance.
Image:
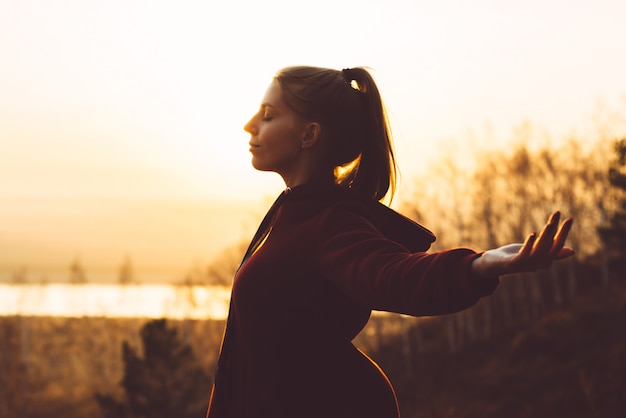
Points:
(266, 113)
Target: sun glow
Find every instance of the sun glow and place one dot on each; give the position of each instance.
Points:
(124, 98)
(139, 301)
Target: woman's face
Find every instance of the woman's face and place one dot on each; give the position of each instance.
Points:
(275, 132)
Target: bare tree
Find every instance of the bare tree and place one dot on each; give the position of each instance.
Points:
(221, 271)
(77, 272)
(126, 272)
(613, 233)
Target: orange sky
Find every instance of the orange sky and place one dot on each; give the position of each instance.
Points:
(146, 98)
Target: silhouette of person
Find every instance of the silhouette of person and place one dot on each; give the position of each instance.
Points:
(328, 253)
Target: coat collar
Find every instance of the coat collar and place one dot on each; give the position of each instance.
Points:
(390, 223)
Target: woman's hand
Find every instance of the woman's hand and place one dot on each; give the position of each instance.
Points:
(538, 252)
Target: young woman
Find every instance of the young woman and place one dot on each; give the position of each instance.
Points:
(328, 253)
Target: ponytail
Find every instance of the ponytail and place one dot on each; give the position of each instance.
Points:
(374, 172)
(348, 105)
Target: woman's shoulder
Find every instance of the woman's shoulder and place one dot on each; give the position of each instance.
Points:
(339, 203)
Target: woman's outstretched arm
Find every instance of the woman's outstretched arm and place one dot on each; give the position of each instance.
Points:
(537, 252)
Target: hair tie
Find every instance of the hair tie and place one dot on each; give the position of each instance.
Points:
(352, 83)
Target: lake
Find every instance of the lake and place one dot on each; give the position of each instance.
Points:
(148, 301)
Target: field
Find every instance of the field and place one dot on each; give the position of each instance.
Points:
(566, 361)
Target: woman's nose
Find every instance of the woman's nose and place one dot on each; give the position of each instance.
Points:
(249, 126)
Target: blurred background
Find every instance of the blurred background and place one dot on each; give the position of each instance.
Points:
(127, 195)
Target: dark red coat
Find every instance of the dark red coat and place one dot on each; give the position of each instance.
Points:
(324, 259)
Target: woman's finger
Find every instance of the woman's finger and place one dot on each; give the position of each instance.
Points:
(527, 248)
(560, 237)
(545, 241)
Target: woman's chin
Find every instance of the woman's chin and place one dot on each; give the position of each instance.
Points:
(258, 165)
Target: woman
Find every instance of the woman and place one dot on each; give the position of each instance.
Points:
(327, 253)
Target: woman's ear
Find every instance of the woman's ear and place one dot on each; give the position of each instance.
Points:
(312, 134)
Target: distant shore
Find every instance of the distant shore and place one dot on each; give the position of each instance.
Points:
(161, 238)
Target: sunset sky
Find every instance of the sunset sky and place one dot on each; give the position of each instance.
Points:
(148, 98)
(105, 101)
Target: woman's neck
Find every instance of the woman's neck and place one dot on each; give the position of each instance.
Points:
(321, 177)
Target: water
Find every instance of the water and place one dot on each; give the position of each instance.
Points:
(147, 301)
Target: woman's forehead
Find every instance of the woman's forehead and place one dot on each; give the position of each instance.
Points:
(273, 97)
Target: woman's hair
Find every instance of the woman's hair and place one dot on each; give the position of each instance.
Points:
(348, 107)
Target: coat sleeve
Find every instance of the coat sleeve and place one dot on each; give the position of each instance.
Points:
(381, 274)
